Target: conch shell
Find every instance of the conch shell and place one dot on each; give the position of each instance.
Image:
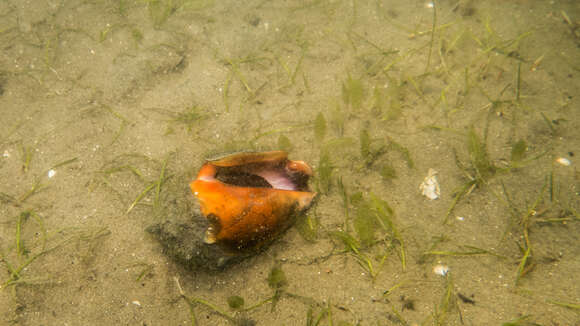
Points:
(251, 197)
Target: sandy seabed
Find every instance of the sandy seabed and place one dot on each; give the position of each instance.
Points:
(108, 109)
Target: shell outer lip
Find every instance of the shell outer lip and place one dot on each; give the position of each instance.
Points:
(243, 158)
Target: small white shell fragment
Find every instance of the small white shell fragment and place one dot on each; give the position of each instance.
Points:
(6, 154)
(137, 303)
(563, 161)
(430, 186)
(51, 173)
(460, 218)
(441, 270)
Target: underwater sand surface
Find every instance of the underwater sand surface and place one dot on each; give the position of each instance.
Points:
(108, 109)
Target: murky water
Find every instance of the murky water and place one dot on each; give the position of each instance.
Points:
(108, 109)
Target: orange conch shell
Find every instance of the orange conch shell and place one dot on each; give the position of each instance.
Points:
(250, 198)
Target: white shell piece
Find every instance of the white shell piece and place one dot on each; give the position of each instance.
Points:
(51, 173)
(430, 186)
(441, 270)
(563, 161)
